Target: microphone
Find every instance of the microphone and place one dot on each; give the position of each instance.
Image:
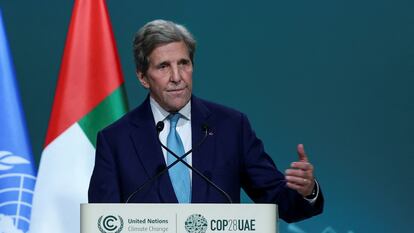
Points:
(159, 128)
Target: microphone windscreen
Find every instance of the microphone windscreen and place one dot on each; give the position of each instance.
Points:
(160, 126)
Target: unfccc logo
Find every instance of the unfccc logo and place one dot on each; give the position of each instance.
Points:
(110, 224)
(196, 223)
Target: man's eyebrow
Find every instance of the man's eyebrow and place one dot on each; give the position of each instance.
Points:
(184, 60)
(162, 63)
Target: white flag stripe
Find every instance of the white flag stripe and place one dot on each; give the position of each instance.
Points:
(62, 183)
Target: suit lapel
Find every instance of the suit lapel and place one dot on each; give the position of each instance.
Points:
(202, 157)
(144, 138)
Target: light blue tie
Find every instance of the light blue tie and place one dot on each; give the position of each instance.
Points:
(179, 173)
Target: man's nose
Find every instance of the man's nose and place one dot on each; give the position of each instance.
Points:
(175, 74)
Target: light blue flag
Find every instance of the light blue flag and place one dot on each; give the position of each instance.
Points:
(17, 174)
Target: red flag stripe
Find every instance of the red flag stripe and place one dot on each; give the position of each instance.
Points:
(90, 68)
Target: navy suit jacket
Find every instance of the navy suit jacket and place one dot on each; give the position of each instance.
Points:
(128, 154)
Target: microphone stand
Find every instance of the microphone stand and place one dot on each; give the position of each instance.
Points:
(160, 127)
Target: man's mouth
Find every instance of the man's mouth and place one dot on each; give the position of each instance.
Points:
(176, 90)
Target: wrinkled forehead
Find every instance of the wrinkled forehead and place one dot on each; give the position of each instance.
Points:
(173, 51)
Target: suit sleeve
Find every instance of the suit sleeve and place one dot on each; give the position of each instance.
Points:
(104, 187)
(264, 183)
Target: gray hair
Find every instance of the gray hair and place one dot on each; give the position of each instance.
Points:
(156, 33)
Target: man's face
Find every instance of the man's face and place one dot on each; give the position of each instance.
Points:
(169, 76)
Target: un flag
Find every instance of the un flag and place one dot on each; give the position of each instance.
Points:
(17, 175)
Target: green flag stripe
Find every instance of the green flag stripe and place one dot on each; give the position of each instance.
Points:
(110, 109)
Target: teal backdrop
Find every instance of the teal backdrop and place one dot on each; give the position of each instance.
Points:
(337, 76)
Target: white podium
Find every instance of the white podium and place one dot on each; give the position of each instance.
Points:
(178, 218)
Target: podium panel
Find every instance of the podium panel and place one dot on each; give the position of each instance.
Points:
(178, 218)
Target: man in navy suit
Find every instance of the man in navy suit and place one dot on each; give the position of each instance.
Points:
(128, 153)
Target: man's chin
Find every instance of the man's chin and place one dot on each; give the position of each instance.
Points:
(177, 104)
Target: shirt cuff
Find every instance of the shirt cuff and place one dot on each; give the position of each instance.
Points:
(313, 200)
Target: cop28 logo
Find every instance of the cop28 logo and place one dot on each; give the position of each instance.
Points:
(110, 224)
(196, 223)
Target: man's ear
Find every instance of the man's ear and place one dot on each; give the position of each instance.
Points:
(142, 79)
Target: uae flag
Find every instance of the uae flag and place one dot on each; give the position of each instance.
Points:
(89, 96)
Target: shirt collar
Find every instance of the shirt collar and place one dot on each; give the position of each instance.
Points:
(160, 114)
